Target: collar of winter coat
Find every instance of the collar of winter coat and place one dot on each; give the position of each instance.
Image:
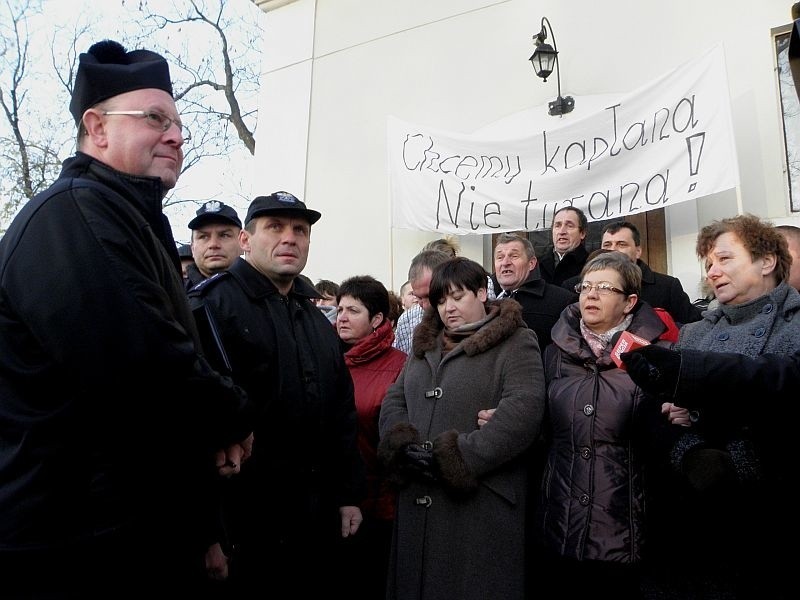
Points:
(257, 285)
(647, 272)
(367, 348)
(427, 333)
(578, 254)
(783, 295)
(567, 335)
(146, 192)
(533, 284)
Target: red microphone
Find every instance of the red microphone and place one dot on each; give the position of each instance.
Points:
(625, 342)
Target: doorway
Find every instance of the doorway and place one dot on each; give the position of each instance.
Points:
(651, 226)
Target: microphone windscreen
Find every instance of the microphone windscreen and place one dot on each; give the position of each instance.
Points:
(625, 342)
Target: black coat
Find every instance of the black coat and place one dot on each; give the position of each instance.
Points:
(193, 276)
(108, 415)
(569, 266)
(716, 381)
(284, 352)
(542, 304)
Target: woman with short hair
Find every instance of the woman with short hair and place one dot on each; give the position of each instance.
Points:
(591, 514)
(723, 529)
(365, 329)
(460, 525)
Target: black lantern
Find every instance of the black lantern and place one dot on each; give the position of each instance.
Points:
(544, 60)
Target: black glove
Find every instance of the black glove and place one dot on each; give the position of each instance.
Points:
(419, 461)
(709, 469)
(654, 369)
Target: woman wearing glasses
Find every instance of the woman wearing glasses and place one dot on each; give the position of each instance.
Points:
(592, 508)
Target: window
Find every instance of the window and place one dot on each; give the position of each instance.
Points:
(790, 113)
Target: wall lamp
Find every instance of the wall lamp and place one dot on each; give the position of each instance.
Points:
(544, 59)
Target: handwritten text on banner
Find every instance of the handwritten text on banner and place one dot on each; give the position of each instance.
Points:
(668, 142)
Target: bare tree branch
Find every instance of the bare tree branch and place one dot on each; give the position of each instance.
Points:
(216, 85)
(203, 73)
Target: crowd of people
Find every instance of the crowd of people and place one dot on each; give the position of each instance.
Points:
(208, 418)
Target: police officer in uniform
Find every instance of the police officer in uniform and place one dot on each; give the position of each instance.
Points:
(215, 241)
(298, 496)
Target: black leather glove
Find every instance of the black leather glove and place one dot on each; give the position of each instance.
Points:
(654, 369)
(419, 461)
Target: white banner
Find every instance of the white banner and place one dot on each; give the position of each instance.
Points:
(668, 142)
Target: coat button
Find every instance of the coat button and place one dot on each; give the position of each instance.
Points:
(425, 501)
(724, 336)
(588, 410)
(586, 452)
(768, 308)
(584, 499)
(759, 332)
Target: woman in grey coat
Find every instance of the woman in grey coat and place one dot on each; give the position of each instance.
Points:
(460, 525)
(726, 534)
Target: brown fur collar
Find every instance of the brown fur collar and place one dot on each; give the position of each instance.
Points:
(426, 335)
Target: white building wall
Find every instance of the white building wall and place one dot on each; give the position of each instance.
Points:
(336, 69)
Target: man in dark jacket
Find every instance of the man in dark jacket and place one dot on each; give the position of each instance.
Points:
(658, 290)
(299, 494)
(109, 416)
(215, 241)
(515, 269)
(566, 257)
(185, 254)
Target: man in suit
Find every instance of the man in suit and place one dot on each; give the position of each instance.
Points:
(566, 257)
(515, 269)
(658, 290)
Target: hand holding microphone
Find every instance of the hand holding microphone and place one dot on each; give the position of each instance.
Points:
(624, 341)
(653, 368)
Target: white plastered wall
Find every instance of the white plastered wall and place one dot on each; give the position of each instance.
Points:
(336, 69)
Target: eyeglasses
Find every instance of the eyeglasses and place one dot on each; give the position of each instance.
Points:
(603, 288)
(155, 120)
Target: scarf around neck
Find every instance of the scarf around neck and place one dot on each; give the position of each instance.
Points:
(453, 337)
(599, 341)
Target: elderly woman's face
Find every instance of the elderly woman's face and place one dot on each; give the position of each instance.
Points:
(735, 277)
(603, 310)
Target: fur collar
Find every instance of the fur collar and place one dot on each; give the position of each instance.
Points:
(427, 333)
